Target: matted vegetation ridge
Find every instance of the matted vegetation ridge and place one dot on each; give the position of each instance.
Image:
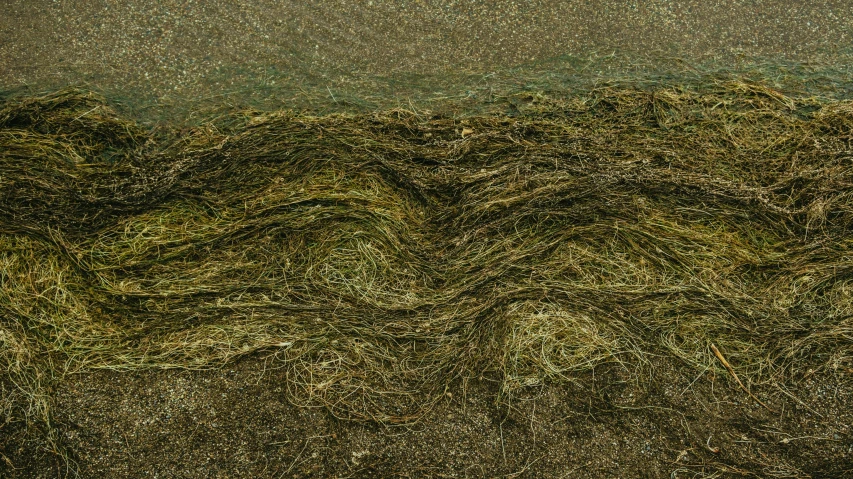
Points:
(379, 257)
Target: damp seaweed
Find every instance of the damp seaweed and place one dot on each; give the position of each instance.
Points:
(379, 256)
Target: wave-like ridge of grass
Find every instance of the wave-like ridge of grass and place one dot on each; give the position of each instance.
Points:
(380, 256)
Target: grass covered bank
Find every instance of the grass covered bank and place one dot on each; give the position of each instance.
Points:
(380, 258)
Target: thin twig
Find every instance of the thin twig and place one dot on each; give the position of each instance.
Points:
(731, 371)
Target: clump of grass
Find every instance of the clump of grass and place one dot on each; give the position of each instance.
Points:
(380, 256)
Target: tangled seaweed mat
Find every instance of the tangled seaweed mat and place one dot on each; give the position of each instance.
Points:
(377, 258)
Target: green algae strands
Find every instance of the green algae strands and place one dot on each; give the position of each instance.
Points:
(380, 256)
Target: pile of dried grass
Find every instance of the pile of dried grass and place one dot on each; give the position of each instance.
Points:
(380, 256)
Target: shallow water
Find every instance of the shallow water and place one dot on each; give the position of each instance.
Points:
(190, 60)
